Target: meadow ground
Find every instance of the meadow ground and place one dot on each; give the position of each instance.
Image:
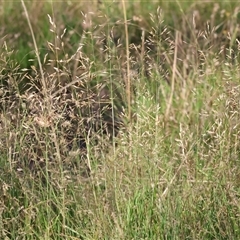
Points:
(120, 120)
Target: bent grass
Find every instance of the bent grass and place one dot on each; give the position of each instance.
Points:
(171, 173)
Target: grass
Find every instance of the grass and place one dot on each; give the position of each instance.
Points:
(111, 142)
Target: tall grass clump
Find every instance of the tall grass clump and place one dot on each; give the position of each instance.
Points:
(121, 120)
